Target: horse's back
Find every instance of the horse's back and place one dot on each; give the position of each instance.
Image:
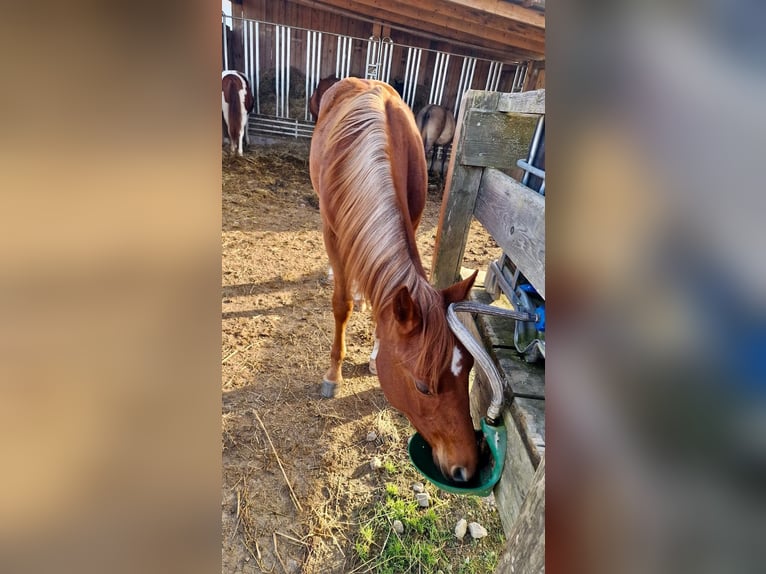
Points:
(345, 103)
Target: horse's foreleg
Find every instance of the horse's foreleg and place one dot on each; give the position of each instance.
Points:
(374, 355)
(342, 305)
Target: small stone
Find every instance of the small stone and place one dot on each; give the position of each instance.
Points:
(423, 499)
(477, 530)
(418, 487)
(460, 528)
(371, 436)
(376, 463)
(398, 526)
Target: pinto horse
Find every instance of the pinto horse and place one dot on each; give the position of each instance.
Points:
(368, 169)
(236, 104)
(437, 127)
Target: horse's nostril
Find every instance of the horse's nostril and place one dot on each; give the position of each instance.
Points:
(459, 474)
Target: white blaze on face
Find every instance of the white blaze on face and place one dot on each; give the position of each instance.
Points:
(457, 358)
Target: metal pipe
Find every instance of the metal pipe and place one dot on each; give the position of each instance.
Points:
(460, 85)
(415, 79)
(498, 75)
(371, 45)
(388, 49)
(445, 68)
(515, 76)
(477, 350)
(287, 74)
(407, 76)
(437, 61)
(530, 169)
(349, 55)
(258, 68)
(533, 148)
(251, 51)
(225, 45)
(306, 95)
(278, 70)
(245, 44)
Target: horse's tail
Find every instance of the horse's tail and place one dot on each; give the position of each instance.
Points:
(235, 111)
(424, 120)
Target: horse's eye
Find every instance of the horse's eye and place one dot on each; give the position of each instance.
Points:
(422, 387)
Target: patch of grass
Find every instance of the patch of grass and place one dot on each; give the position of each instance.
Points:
(390, 467)
(427, 543)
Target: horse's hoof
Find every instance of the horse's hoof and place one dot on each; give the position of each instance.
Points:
(373, 367)
(328, 389)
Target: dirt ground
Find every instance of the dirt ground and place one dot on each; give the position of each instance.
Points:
(297, 481)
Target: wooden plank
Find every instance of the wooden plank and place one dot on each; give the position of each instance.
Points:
(524, 553)
(526, 380)
(407, 13)
(529, 415)
(515, 217)
(518, 470)
(461, 42)
(525, 102)
(496, 139)
(504, 10)
(458, 201)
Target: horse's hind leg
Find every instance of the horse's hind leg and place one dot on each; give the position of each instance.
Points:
(445, 149)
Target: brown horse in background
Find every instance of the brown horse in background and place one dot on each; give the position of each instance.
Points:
(369, 171)
(323, 85)
(436, 125)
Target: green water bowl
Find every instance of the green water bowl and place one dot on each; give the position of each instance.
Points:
(493, 440)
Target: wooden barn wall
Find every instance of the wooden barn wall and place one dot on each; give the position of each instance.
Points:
(289, 13)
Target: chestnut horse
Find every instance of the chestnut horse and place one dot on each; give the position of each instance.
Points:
(236, 104)
(368, 169)
(436, 125)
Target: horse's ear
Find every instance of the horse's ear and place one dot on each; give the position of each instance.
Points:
(406, 311)
(459, 291)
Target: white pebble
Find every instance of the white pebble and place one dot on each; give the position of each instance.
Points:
(371, 436)
(398, 526)
(423, 499)
(477, 530)
(460, 528)
(376, 463)
(418, 487)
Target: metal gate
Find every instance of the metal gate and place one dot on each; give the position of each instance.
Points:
(284, 65)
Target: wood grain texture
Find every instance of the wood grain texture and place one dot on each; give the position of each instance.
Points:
(458, 200)
(495, 139)
(518, 471)
(523, 103)
(438, 16)
(524, 553)
(515, 217)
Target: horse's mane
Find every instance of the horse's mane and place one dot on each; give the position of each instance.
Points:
(369, 223)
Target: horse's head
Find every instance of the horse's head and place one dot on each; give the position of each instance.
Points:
(316, 98)
(423, 371)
